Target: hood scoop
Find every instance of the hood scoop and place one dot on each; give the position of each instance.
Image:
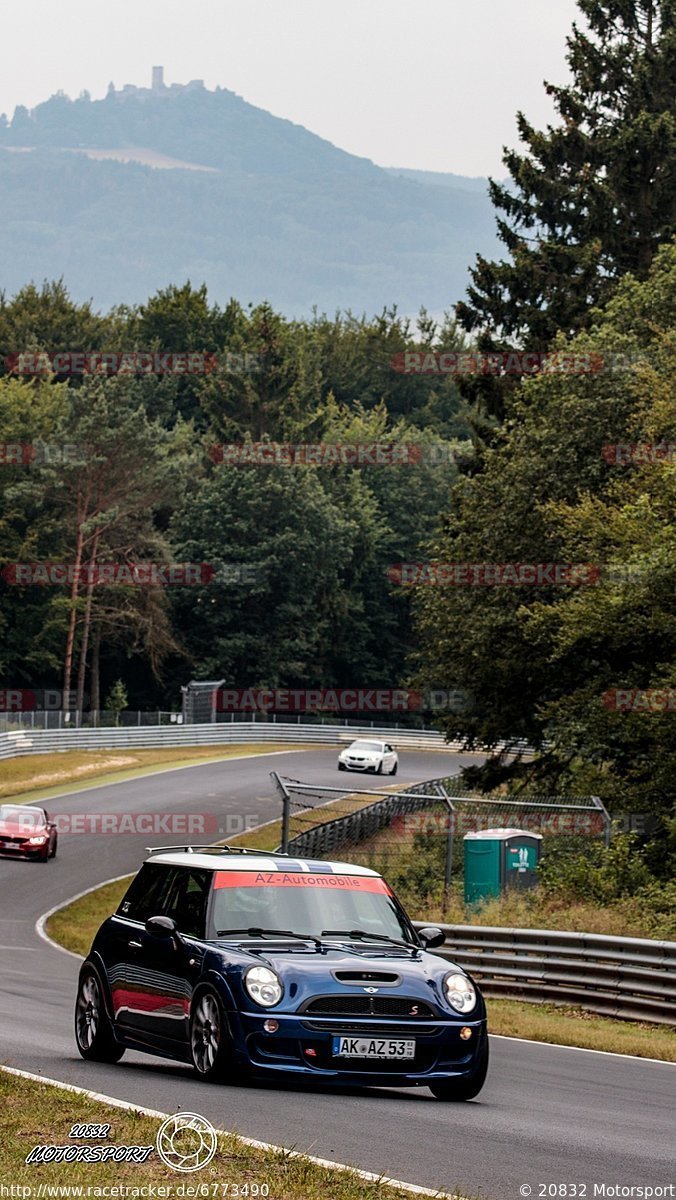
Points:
(363, 977)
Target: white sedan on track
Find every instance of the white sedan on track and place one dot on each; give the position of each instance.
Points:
(375, 756)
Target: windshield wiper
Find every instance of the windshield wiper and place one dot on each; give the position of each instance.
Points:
(363, 935)
(256, 931)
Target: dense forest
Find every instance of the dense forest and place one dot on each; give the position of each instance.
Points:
(307, 586)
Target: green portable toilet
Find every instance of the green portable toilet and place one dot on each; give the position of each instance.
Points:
(497, 859)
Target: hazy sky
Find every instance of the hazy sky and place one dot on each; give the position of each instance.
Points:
(430, 84)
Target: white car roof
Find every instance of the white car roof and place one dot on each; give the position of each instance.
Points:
(254, 862)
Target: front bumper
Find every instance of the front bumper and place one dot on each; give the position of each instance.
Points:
(22, 849)
(359, 766)
(440, 1051)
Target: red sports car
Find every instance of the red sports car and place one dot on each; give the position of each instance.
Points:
(27, 831)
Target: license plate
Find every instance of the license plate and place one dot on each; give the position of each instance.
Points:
(365, 1047)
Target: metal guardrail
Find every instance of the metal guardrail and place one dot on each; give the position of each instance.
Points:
(43, 741)
(631, 978)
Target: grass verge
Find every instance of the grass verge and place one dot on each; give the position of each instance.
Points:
(575, 1027)
(74, 927)
(41, 1114)
(48, 775)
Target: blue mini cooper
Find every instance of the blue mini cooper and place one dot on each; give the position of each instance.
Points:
(245, 964)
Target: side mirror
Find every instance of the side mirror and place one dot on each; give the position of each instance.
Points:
(431, 936)
(162, 927)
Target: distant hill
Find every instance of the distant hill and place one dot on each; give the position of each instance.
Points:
(466, 183)
(278, 213)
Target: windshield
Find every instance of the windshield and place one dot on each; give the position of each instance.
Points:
(366, 746)
(27, 818)
(305, 903)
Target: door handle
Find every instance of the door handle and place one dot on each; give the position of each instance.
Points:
(134, 945)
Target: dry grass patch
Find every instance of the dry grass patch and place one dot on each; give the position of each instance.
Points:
(40, 1114)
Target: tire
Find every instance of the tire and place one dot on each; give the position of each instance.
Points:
(395, 768)
(93, 1032)
(341, 766)
(463, 1089)
(210, 1043)
(56, 842)
(379, 769)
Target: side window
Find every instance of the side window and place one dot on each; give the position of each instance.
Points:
(148, 894)
(188, 901)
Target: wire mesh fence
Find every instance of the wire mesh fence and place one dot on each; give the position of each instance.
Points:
(54, 719)
(414, 835)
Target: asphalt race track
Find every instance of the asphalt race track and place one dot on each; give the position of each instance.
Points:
(546, 1115)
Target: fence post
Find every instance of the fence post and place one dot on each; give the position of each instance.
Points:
(607, 823)
(448, 864)
(286, 809)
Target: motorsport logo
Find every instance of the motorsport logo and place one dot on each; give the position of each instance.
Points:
(184, 1142)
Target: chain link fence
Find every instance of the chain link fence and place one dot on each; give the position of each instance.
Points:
(413, 835)
(55, 719)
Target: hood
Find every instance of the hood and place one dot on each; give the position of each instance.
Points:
(306, 972)
(21, 829)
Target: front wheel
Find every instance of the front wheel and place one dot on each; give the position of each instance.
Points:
(210, 1044)
(93, 1030)
(395, 768)
(463, 1089)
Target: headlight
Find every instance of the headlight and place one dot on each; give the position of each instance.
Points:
(37, 841)
(460, 993)
(263, 986)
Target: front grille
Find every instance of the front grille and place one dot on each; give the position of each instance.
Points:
(372, 1028)
(373, 1006)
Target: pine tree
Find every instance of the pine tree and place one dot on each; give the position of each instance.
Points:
(593, 197)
